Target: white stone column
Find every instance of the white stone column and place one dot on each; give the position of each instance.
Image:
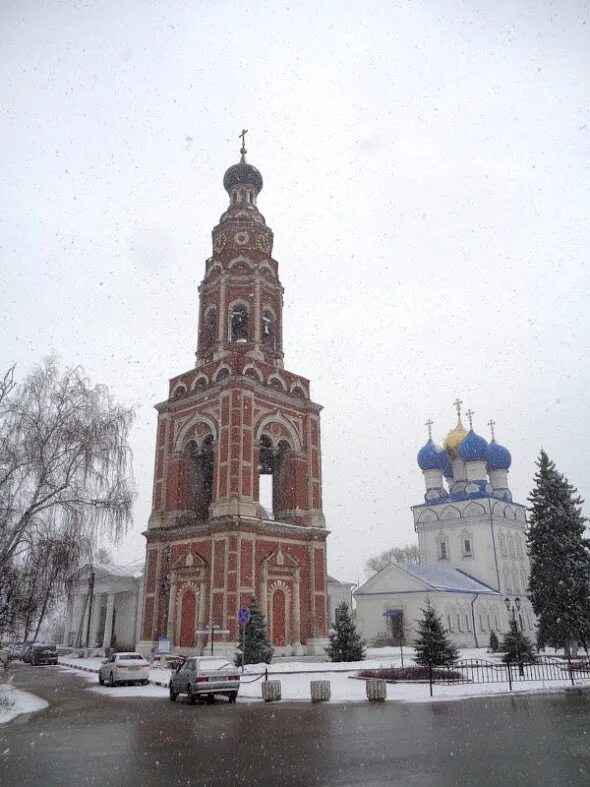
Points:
(68, 623)
(86, 611)
(77, 613)
(108, 625)
(95, 620)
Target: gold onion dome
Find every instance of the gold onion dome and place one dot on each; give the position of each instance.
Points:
(454, 439)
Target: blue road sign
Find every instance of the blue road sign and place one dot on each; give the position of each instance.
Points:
(244, 615)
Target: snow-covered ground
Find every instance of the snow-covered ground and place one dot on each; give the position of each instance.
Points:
(17, 702)
(295, 677)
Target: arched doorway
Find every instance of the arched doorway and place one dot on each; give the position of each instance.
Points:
(278, 618)
(188, 619)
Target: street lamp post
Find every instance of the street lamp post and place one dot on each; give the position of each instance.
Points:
(514, 608)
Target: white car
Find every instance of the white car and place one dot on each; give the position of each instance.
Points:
(124, 668)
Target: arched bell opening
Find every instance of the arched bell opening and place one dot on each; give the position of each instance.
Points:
(271, 483)
(268, 330)
(200, 481)
(238, 323)
(209, 333)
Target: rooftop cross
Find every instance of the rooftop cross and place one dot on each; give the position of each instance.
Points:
(429, 427)
(491, 424)
(470, 415)
(243, 150)
(457, 403)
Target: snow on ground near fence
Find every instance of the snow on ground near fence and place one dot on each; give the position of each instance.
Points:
(18, 702)
(296, 676)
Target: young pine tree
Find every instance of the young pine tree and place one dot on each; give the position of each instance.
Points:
(516, 646)
(433, 647)
(559, 584)
(345, 642)
(494, 645)
(258, 649)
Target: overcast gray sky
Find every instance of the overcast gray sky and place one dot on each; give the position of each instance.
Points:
(426, 169)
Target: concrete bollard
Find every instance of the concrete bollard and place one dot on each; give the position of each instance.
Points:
(376, 690)
(271, 690)
(320, 690)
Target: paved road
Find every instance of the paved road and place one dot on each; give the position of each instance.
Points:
(89, 738)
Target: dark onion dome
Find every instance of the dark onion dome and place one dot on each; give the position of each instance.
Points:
(242, 174)
(473, 448)
(429, 457)
(498, 457)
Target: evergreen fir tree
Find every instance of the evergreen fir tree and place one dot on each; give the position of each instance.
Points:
(494, 645)
(516, 646)
(345, 642)
(258, 649)
(559, 584)
(433, 647)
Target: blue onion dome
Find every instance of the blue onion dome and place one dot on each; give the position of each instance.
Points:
(242, 174)
(429, 457)
(498, 457)
(473, 448)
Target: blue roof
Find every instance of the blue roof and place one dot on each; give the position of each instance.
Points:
(473, 448)
(429, 457)
(448, 579)
(498, 457)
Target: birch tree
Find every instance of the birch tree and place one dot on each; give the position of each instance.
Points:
(65, 481)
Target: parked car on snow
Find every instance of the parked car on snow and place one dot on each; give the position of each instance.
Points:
(124, 668)
(27, 652)
(43, 654)
(202, 677)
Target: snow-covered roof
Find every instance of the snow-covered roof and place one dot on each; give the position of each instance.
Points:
(338, 581)
(134, 569)
(448, 579)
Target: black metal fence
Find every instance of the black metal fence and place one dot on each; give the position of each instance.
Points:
(543, 668)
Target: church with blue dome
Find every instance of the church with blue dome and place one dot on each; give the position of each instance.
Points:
(471, 539)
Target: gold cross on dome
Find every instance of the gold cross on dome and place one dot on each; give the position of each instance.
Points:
(428, 424)
(491, 424)
(470, 415)
(457, 403)
(243, 138)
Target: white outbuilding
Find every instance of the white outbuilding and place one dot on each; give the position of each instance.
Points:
(103, 607)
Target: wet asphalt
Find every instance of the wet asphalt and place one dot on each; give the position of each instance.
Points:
(89, 738)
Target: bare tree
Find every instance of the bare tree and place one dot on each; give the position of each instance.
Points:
(409, 554)
(65, 480)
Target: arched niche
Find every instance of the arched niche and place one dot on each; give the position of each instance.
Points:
(450, 512)
(428, 516)
(474, 509)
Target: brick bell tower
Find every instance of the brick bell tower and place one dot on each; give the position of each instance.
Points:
(235, 417)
